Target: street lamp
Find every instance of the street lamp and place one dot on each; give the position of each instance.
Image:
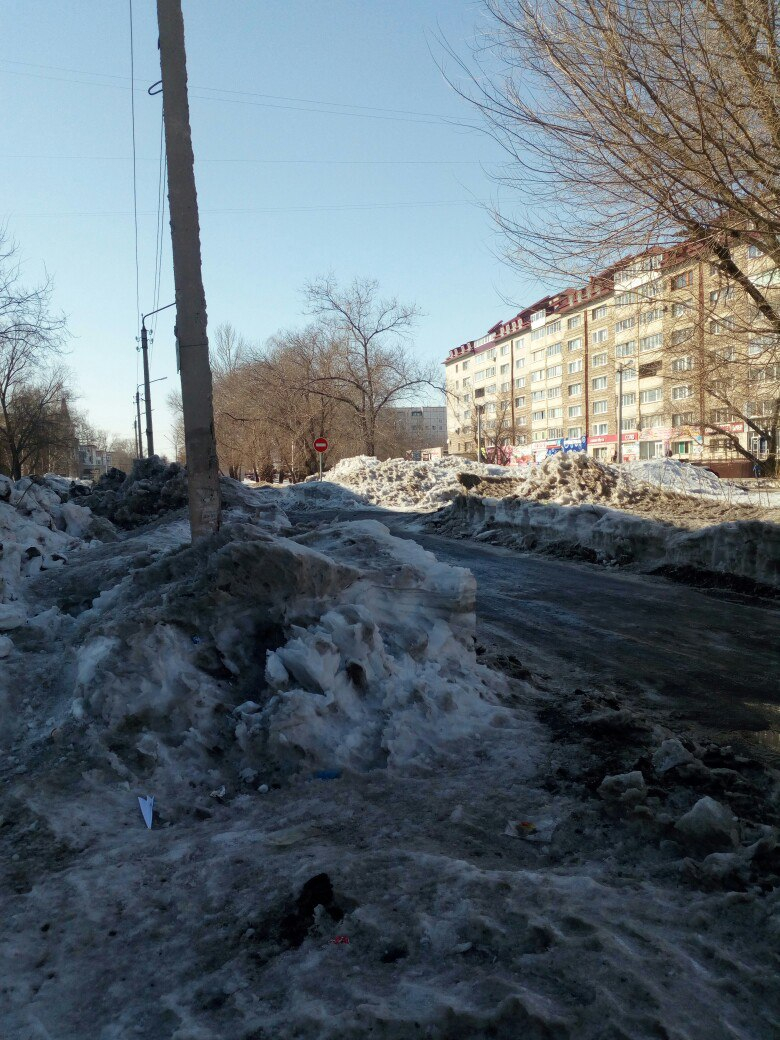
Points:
(147, 380)
(620, 414)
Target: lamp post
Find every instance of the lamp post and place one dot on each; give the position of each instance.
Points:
(148, 403)
(620, 414)
(147, 381)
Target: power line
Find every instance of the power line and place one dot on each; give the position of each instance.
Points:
(281, 209)
(269, 162)
(135, 184)
(270, 100)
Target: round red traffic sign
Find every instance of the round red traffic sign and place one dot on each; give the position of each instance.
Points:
(320, 444)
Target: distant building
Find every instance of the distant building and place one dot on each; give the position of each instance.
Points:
(420, 426)
(93, 461)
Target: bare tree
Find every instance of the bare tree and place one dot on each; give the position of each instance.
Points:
(122, 453)
(633, 124)
(32, 382)
(366, 365)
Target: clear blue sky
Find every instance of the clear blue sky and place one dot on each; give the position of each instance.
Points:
(288, 189)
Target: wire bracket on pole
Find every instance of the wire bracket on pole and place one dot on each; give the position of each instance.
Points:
(152, 92)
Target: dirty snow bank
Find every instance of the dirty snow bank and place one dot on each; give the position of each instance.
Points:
(151, 488)
(747, 549)
(399, 484)
(38, 528)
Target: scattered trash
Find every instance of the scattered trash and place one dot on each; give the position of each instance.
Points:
(147, 809)
(344, 939)
(196, 640)
(327, 774)
(539, 831)
(219, 793)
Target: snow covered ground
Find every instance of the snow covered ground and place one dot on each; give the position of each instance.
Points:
(361, 828)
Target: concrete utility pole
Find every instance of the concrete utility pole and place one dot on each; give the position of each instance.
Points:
(138, 420)
(147, 393)
(196, 389)
(620, 415)
(135, 433)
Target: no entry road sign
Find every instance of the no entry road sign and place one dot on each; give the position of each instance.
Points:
(320, 444)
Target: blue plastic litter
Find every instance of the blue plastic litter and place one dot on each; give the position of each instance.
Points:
(197, 639)
(327, 774)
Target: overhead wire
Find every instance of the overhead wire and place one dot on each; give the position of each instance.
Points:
(135, 184)
(159, 236)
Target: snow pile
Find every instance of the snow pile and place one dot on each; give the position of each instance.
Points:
(249, 651)
(747, 549)
(152, 488)
(38, 529)
(400, 484)
(672, 475)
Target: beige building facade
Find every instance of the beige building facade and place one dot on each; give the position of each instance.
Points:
(634, 348)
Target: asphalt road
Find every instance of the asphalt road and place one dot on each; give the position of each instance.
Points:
(710, 658)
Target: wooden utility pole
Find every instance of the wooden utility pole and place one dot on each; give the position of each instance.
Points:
(196, 390)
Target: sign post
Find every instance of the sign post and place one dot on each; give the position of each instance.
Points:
(320, 446)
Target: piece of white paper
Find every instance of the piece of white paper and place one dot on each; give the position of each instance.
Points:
(147, 809)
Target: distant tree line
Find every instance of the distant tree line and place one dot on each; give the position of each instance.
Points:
(340, 377)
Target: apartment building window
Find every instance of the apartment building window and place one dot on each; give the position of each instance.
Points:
(651, 368)
(504, 350)
(466, 382)
(681, 336)
(520, 362)
(575, 389)
(653, 289)
(624, 325)
(538, 395)
(575, 366)
(491, 389)
(555, 433)
(600, 407)
(505, 388)
(479, 377)
(682, 418)
(625, 299)
(628, 424)
(600, 429)
(626, 349)
(519, 402)
(555, 413)
(679, 393)
(629, 374)
(537, 416)
(600, 383)
(556, 370)
(680, 281)
(600, 336)
(554, 328)
(575, 410)
(491, 354)
(490, 406)
(537, 377)
(768, 373)
(537, 355)
(628, 399)
(490, 371)
(649, 396)
(721, 295)
(720, 415)
(574, 323)
(519, 382)
(754, 252)
(538, 332)
(574, 344)
(651, 449)
(554, 348)
(650, 316)
(721, 444)
(504, 369)
(681, 447)
(650, 422)
(598, 360)
(599, 312)
(465, 365)
(682, 364)
(681, 308)
(553, 391)
(574, 432)
(651, 342)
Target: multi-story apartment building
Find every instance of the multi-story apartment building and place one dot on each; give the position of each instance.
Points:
(420, 426)
(634, 347)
